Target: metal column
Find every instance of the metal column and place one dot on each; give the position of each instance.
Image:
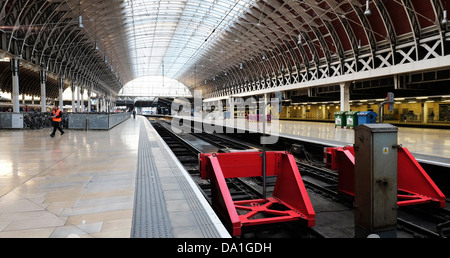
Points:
(43, 78)
(264, 119)
(81, 100)
(78, 98)
(74, 108)
(89, 100)
(61, 90)
(345, 96)
(15, 84)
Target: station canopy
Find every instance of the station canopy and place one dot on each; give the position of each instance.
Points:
(222, 47)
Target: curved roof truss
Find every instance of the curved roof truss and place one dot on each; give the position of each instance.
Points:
(222, 47)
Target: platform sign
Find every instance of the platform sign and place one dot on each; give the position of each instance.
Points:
(390, 97)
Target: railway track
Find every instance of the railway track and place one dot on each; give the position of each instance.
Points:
(240, 189)
(419, 222)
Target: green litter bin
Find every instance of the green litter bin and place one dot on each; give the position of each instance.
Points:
(339, 119)
(351, 118)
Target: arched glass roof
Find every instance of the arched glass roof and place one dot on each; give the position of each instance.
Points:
(222, 47)
(154, 86)
(166, 37)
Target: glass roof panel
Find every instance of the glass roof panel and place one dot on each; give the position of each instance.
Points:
(174, 34)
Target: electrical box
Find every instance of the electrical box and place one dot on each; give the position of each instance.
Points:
(376, 180)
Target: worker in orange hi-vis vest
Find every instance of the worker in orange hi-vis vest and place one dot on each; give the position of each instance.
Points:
(56, 120)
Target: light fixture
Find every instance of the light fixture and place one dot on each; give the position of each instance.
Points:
(80, 21)
(367, 11)
(240, 66)
(359, 44)
(96, 45)
(444, 18)
(299, 39)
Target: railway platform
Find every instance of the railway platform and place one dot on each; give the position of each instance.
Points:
(428, 145)
(118, 183)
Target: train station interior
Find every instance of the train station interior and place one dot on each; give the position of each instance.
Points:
(224, 119)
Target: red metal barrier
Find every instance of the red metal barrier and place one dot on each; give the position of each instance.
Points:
(342, 159)
(413, 183)
(289, 201)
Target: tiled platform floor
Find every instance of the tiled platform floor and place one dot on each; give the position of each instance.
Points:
(80, 184)
(83, 184)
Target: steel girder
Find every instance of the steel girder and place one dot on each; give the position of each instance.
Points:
(337, 39)
(45, 36)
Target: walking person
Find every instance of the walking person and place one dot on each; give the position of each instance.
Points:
(56, 120)
(134, 114)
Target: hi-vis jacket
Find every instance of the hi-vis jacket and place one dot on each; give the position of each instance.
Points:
(58, 114)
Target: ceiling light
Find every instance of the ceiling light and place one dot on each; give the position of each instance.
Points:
(80, 21)
(299, 39)
(444, 19)
(367, 11)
